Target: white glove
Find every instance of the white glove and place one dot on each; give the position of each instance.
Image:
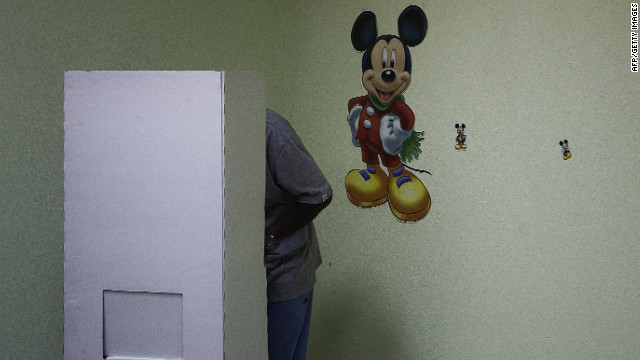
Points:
(352, 118)
(392, 134)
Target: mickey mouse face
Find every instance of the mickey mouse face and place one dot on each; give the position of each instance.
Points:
(386, 62)
(387, 78)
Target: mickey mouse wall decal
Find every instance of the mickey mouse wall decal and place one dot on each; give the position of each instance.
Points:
(461, 138)
(566, 152)
(382, 124)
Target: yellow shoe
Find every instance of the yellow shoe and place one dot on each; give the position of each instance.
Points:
(464, 147)
(409, 199)
(368, 187)
(457, 147)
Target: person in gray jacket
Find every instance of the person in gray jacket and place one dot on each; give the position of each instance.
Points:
(296, 192)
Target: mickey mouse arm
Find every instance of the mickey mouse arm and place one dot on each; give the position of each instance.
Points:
(405, 114)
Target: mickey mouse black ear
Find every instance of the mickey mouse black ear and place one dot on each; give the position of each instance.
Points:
(566, 141)
(412, 25)
(560, 142)
(463, 126)
(457, 126)
(364, 31)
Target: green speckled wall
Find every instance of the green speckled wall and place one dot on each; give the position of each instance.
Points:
(523, 256)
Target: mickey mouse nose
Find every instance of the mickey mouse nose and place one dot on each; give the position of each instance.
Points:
(388, 76)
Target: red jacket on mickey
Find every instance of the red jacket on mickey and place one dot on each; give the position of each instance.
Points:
(370, 131)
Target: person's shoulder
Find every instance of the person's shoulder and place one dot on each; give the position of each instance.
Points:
(278, 125)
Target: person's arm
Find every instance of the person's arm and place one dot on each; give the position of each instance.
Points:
(298, 216)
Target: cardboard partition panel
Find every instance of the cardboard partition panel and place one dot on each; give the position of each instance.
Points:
(146, 215)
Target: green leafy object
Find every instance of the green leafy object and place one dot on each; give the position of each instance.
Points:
(411, 147)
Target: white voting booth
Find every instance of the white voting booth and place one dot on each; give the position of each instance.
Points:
(164, 215)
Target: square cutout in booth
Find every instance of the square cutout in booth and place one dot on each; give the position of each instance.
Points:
(142, 325)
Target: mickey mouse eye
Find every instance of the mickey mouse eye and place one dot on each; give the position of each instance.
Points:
(384, 58)
(393, 59)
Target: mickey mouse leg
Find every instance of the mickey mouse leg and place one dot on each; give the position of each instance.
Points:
(367, 187)
(409, 199)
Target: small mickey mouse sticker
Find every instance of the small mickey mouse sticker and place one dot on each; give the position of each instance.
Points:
(461, 138)
(566, 152)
